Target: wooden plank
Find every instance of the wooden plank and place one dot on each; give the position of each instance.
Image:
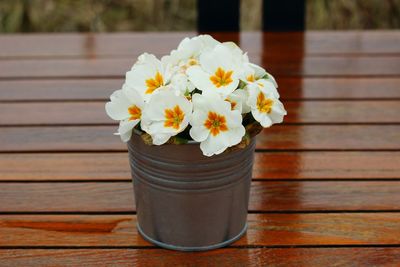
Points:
(71, 113)
(311, 43)
(338, 88)
(279, 137)
(276, 165)
(123, 44)
(70, 197)
(324, 196)
(264, 230)
(349, 137)
(23, 90)
(117, 67)
(61, 68)
(60, 139)
(342, 112)
(264, 196)
(86, 113)
(327, 165)
(89, 45)
(220, 257)
(289, 88)
(67, 166)
(330, 66)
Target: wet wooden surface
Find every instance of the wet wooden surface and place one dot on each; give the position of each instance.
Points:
(266, 196)
(307, 112)
(326, 183)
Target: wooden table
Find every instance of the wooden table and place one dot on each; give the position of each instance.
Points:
(326, 186)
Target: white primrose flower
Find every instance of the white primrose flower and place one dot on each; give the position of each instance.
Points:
(188, 52)
(253, 73)
(235, 100)
(126, 106)
(186, 55)
(166, 115)
(264, 85)
(181, 84)
(219, 71)
(265, 108)
(214, 124)
(241, 57)
(238, 100)
(147, 75)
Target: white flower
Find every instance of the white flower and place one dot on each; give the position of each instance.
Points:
(257, 78)
(238, 100)
(208, 42)
(147, 75)
(253, 73)
(264, 85)
(188, 52)
(166, 115)
(235, 99)
(181, 84)
(265, 108)
(241, 57)
(126, 105)
(219, 71)
(215, 124)
(186, 55)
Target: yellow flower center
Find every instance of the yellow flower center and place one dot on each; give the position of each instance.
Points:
(264, 105)
(174, 117)
(215, 123)
(153, 83)
(135, 112)
(192, 62)
(221, 77)
(250, 78)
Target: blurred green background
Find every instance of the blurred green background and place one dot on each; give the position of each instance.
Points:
(180, 15)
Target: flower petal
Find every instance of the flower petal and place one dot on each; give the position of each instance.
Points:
(160, 139)
(199, 78)
(214, 145)
(199, 133)
(235, 135)
(125, 129)
(117, 108)
(244, 95)
(259, 72)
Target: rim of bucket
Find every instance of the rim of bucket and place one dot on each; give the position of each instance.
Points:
(190, 142)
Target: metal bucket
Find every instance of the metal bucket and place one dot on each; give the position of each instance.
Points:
(187, 201)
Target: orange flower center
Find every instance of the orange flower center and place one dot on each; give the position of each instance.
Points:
(135, 112)
(250, 78)
(215, 123)
(153, 83)
(233, 103)
(264, 105)
(174, 117)
(221, 77)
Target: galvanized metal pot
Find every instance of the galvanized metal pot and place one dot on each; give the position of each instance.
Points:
(187, 201)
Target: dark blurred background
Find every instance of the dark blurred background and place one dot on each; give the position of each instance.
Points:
(180, 15)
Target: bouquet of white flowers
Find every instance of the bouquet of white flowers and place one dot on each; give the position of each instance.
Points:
(204, 91)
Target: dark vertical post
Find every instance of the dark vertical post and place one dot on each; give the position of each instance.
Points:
(283, 15)
(218, 15)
